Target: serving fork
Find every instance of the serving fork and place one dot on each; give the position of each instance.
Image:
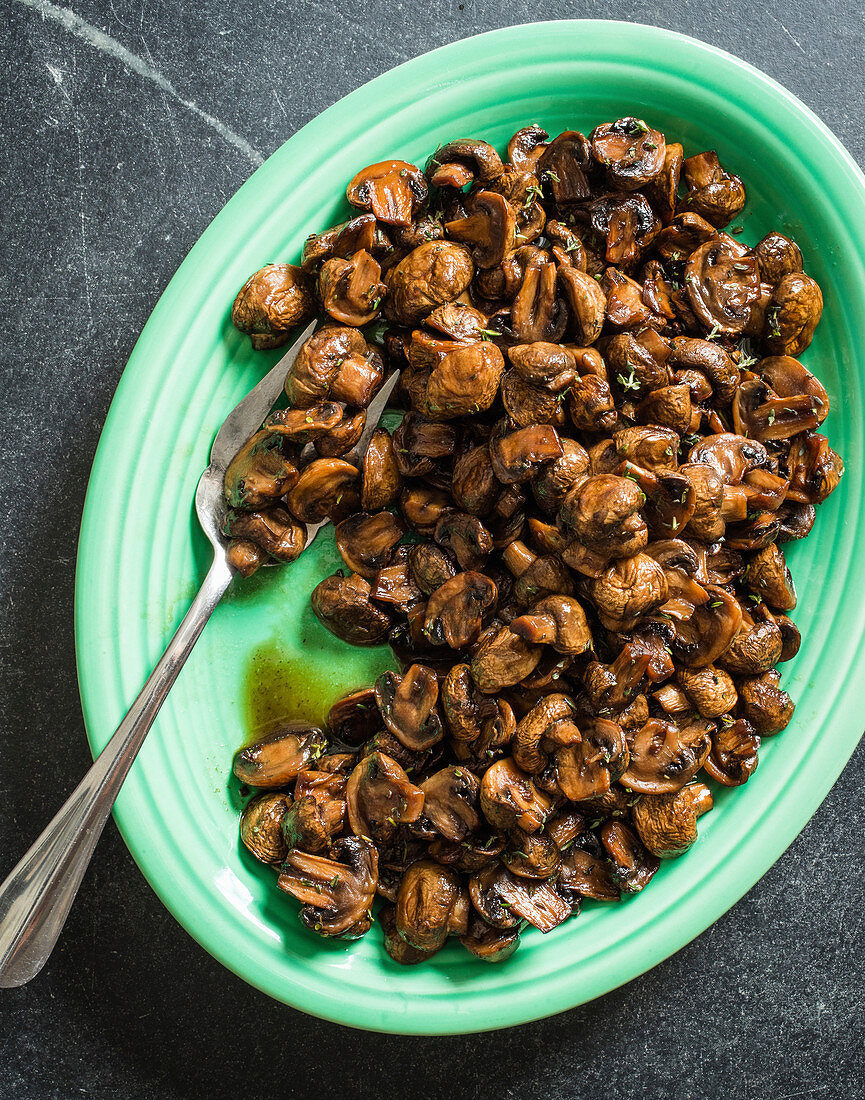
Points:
(36, 896)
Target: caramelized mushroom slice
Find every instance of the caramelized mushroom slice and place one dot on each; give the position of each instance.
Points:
(261, 826)
(392, 189)
(769, 577)
(450, 804)
(365, 542)
(557, 621)
(336, 894)
(327, 487)
(501, 899)
(722, 286)
(271, 303)
(479, 156)
(701, 638)
(793, 314)
(516, 457)
(272, 529)
(488, 943)
(563, 165)
(714, 194)
(667, 823)
(456, 609)
(631, 152)
(632, 865)
(733, 756)
(380, 482)
(547, 725)
(663, 757)
(422, 507)
(663, 190)
(587, 768)
(587, 302)
(275, 760)
(350, 290)
(510, 800)
(340, 439)
(342, 605)
(628, 225)
(379, 797)
(490, 228)
(427, 903)
(354, 718)
(815, 469)
(261, 471)
(503, 660)
(535, 312)
(586, 871)
(432, 273)
(466, 537)
(789, 378)
(408, 707)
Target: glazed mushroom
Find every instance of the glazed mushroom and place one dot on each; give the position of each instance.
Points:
(587, 303)
(408, 707)
(664, 756)
(503, 900)
(261, 472)
(380, 797)
(768, 576)
(764, 703)
(354, 718)
(502, 660)
(430, 906)
(509, 798)
(793, 314)
(710, 689)
(450, 806)
(273, 302)
(456, 609)
(392, 189)
(489, 228)
(667, 823)
(733, 756)
(603, 514)
(777, 256)
(365, 542)
(342, 604)
(631, 152)
(516, 456)
(432, 273)
(336, 893)
(631, 864)
(273, 530)
(350, 290)
(261, 826)
(327, 487)
(277, 759)
(337, 363)
(488, 943)
(380, 476)
(558, 621)
(722, 287)
(713, 193)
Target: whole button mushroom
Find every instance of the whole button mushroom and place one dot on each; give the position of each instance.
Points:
(722, 286)
(713, 193)
(261, 826)
(632, 865)
(777, 256)
(337, 363)
(342, 604)
(665, 756)
(260, 472)
(631, 152)
(733, 757)
(273, 302)
(764, 703)
(793, 314)
(432, 273)
(350, 290)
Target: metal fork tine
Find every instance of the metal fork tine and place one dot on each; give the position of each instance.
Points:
(245, 419)
(373, 416)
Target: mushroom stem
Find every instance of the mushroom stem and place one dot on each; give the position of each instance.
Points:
(517, 557)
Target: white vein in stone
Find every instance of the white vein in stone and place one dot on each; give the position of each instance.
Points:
(103, 42)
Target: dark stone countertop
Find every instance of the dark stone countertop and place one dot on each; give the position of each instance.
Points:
(127, 126)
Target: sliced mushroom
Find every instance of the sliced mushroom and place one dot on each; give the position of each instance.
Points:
(549, 724)
(488, 943)
(603, 514)
(430, 567)
(631, 152)
(733, 757)
(628, 225)
(479, 156)
(517, 456)
(558, 621)
(667, 823)
(273, 529)
(422, 506)
(632, 865)
(587, 302)
(722, 286)
(705, 634)
(466, 537)
(456, 609)
(275, 760)
(336, 362)
(502, 900)
(271, 303)
(586, 871)
(342, 604)
(392, 189)
(793, 314)
(365, 542)
(408, 707)
(531, 856)
(664, 757)
(563, 165)
(261, 826)
(432, 273)
(490, 228)
(510, 800)
(354, 718)
(663, 190)
(380, 797)
(337, 893)
(450, 804)
(380, 482)
(713, 193)
(350, 290)
(503, 660)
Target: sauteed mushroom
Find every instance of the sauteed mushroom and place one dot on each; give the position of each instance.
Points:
(570, 538)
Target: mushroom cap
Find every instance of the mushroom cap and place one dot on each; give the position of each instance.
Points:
(261, 826)
(342, 604)
(432, 273)
(392, 189)
(275, 760)
(667, 823)
(380, 796)
(272, 302)
(336, 893)
(408, 706)
(722, 286)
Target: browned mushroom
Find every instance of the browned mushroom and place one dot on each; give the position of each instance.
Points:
(627, 589)
(450, 806)
(408, 707)
(628, 225)
(365, 541)
(354, 718)
(710, 689)
(335, 362)
(392, 189)
(456, 609)
(664, 757)
(509, 798)
(586, 871)
(603, 514)
(342, 604)
(327, 488)
(764, 703)
(261, 471)
(362, 232)
(713, 193)
(466, 538)
(503, 900)
(261, 826)
(587, 302)
(489, 227)
(558, 621)
(767, 575)
(432, 273)
(793, 314)
(631, 864)
(631, 152)
(337, 893)
(271, 303)
(722, 286)
(245, 556)
(516, 456)
(667, 823)
(275, 760)
(430, 905)
(588, 767)
(380, 797)
(488, 943)
(502, 660)
(459, 378)
(272, 529)
(777, 256)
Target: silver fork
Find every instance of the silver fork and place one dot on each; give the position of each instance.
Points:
(36, 896)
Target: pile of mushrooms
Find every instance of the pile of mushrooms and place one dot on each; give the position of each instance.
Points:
(572, 541)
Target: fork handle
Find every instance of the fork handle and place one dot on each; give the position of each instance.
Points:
(36, 897)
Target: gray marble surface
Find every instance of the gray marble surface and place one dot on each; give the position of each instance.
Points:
(126, 126)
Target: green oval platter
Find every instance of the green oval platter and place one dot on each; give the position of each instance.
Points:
(141, 555)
